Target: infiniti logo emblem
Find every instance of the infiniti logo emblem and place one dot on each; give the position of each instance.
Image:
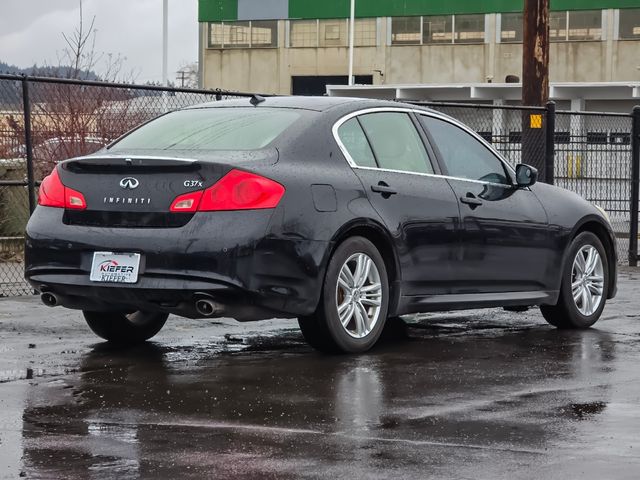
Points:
(129, 183)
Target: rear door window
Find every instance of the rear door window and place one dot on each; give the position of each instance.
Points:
(395, 142)
(356, 143)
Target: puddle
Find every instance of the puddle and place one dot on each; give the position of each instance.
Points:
(586, 411)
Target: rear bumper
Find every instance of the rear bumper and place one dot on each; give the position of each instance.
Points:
(229, 302)
(225, 255)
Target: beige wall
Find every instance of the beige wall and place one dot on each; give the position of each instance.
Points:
(626, 61)
(270, 70)
(568, 61)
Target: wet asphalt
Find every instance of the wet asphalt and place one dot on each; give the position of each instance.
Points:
(461, 395)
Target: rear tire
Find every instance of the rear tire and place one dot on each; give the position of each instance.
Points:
(121, 328)
(355, 297)
(315, 335)
(584, 285)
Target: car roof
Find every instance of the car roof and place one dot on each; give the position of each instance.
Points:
(319, 104)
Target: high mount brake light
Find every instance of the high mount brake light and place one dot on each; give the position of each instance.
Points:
(237, 190)
(53, 193)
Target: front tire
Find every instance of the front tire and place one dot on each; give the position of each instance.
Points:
(584, 286)
(354, 303)
(121, 328)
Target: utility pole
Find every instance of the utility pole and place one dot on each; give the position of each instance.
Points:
(352, 34)
(535, 81)
(183, 75)
(165, 41)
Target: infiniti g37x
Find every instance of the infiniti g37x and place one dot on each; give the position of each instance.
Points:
(338, 212)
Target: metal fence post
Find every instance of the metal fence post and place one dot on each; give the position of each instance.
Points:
(550, 147)
(26, 106)
(635, 187)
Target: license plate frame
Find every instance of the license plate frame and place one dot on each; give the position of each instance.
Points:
(115, 267)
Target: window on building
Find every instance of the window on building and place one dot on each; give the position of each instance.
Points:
(629, 24)
(488, 136)
(469, 29)
(333, 33)
(585, 25)
(405, 31)
(575, 25)
(215, 35)
(562, 137)
(256, 34)
(558, 26)
(264, 33)
(437, 29)
(366, 32)
(303, 33)
(511, 28)
(597, 138)
(236, 35)
(620, 138)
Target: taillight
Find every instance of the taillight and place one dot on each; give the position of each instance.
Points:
(53, 193)
(237, 190)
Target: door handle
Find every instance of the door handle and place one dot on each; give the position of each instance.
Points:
(471, 200)
(384, 189)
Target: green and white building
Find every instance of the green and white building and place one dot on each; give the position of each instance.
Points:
(299, 46)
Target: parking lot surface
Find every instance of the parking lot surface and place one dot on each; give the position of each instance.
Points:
(472, 394)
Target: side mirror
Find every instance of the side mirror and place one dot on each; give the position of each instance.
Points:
(526, 175)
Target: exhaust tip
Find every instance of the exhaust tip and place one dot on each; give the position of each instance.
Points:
(206, 307)
(49, 299)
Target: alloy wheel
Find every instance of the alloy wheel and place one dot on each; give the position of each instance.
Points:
(587, 280)
(359, 295)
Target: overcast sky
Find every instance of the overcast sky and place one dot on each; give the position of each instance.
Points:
(31, 32)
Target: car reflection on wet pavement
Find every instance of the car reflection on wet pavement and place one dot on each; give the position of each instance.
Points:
(487, 394)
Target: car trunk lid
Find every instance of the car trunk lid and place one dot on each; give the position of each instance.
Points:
(136, 191)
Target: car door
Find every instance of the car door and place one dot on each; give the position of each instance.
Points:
(505, 236)
(388, 153)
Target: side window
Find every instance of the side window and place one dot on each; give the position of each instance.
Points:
(395, 142)
(356, 143)
(463, 155)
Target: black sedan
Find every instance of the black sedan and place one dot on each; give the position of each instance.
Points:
(338, 212)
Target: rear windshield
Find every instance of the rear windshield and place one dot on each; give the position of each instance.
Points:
(238, 128)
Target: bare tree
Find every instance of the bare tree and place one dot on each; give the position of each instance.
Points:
(80, 50)
(69, 120)
(80, 60)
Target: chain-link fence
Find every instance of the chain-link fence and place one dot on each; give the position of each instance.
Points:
(589, 153)
(14, 199)
(44, 120)
(593, 159)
